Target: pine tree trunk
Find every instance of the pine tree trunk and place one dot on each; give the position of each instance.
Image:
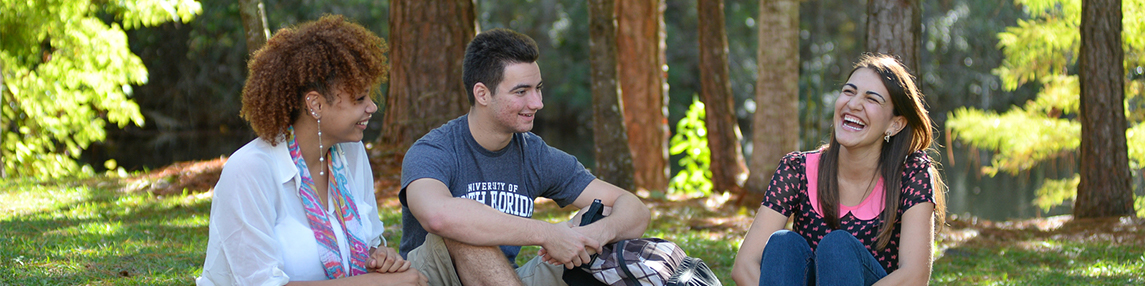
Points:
(426, 54)
(613, 158)
(1104, 189)
(254, 24)
(640, 43)
(723, 133)
(894, 28)
(775, 124)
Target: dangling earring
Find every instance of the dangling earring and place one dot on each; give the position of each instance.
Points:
(321, 148)
(886, 137)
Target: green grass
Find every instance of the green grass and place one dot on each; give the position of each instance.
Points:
(91, 232)
(1049, 262)
(69, 233)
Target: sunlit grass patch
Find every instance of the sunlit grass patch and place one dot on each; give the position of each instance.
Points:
(1045, 263)
(195, 220)
(90, 228)
(89, 232)
(1103, 268)
(26, 196)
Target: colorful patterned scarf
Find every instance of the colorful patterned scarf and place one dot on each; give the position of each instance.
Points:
(344, 207)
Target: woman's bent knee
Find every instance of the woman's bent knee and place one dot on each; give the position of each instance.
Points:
(839, 238)
(784, 236)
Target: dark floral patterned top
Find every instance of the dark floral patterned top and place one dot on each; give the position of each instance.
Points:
(792, 192)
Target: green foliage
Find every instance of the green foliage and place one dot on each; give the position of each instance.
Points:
(1021, 137)
(1043, 46)
(1056, 192)
(136, 14)
(960, 53)
(1047, 44)
(691, 139)
(1139, 205)
(1042, 49)
(66, 75)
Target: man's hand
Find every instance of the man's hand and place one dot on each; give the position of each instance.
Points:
(592, 232)
(386, 260)
(575, 220)
(566, 246)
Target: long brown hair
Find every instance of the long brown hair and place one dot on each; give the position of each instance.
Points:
(918, 135)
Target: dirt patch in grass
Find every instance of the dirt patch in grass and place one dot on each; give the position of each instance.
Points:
(189, 176)
(1114, 231)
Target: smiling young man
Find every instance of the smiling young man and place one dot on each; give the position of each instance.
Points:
(468, 186)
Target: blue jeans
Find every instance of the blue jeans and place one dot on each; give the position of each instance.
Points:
(839, 260)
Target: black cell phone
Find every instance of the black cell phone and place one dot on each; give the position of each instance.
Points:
(595, 212)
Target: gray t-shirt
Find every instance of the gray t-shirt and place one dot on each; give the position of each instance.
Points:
(507, 180)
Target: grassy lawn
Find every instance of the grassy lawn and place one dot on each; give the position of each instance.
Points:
(1052, 251)
(114, 231)
(88, 232)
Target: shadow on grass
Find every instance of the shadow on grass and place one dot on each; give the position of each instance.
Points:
(107, 237)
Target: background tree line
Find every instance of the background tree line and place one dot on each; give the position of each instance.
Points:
(760, 64)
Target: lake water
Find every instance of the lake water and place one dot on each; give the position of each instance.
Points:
(1000, 197)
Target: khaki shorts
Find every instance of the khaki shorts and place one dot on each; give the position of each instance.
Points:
(433, 260)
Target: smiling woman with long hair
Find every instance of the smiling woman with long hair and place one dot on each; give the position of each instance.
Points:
(865, 205)
(296, 205)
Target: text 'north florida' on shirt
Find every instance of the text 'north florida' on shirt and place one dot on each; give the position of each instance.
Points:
(501, 196)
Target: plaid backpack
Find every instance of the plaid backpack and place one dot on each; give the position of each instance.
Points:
(641, 261)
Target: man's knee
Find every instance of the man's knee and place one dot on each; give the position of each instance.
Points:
(481, 265)
(432, 259)
(462, 251)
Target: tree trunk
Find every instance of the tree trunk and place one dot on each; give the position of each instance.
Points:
(254, 24)
(613, 158)
(894, 28)
(723, 133)
(775, 125)
(643, 80)
(427, 49)
(1104, 189)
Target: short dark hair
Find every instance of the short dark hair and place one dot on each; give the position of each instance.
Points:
(489, 53)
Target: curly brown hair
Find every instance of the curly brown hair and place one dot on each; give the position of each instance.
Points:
(314, 56)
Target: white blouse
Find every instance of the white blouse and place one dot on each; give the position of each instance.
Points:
(259, 234)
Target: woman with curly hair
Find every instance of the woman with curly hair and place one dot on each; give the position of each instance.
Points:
(865, 205)
(297, 203)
